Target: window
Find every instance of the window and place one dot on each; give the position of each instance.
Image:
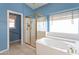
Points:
(65, 22)
(41, 24)
(12, 19)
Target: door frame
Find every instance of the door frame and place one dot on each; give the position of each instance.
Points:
(8, 39)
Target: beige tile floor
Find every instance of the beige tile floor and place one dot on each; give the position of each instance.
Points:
(18, 49)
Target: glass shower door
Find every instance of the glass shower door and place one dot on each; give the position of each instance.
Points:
(27, 30)
(33, 33)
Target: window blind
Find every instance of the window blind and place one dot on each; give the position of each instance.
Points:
(66, 22)
(12, 19)
(65, 15)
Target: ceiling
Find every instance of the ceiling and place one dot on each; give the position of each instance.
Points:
(35, 5)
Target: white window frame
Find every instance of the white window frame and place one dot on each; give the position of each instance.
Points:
(12, 22)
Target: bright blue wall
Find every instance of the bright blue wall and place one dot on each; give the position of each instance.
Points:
(22, 8)
(53, 8)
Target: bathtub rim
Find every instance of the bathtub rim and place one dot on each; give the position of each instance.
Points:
(53, 47)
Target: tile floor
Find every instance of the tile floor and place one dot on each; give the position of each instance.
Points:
(18, 49)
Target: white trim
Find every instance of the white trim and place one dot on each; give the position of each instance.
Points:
(4, 50)
(14, 12)
(15, 41)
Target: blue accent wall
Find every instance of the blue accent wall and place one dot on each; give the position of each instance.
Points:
(22, 8)
(53, 8)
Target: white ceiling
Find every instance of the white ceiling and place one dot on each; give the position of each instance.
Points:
(35, 5)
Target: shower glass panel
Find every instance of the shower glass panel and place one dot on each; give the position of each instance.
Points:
(30, 31)
(41, 27)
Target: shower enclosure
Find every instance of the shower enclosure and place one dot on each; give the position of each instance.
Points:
(32, 31)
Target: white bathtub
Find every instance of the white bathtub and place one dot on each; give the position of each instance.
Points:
(50, 46)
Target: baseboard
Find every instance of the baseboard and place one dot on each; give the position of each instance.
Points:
(14, 41)
(8, 48)
(4, 50)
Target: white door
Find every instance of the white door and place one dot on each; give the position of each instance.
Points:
(27, 30)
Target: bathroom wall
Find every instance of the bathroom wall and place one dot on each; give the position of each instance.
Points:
(22, 8)
(52, 8)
